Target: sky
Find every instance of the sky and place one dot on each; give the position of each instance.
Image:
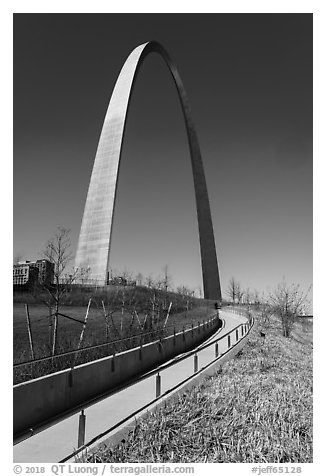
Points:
(249, 82)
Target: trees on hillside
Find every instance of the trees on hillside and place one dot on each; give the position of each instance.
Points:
(287, 302)
(231, 290)
(149, 281)
(234, 291)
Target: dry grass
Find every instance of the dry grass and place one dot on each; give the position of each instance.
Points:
(258, 408)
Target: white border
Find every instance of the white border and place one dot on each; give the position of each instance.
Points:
(97, 6)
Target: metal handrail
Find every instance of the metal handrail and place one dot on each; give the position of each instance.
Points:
(53, 420)
(106, 394)
(133, 414)
(186, 355)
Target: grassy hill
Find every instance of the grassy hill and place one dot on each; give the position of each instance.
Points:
(129, 312)
(257, 408)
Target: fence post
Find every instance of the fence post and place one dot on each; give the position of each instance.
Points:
(229, 340)
(237, 335)
(81, 429)
(55, 331)
(195, 363)
(106, 325)
(167, 315)
(158, 385)
(216, 349)
(29, 331)
(81, 334)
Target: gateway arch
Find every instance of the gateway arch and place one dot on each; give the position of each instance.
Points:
(96, 229)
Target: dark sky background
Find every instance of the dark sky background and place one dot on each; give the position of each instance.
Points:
(249, 82)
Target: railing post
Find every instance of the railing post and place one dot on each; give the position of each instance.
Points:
(192, 329)
(216, 349)
(195, 363)
(237, 335)
(81, 429)
(198, 327)
(174, 338)
(229, 340)
(158, 385)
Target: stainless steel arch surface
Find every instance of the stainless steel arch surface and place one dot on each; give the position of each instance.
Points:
(95, 235)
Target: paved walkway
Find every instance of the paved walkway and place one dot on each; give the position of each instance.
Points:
(58, 441)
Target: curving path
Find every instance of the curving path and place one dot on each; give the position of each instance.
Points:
(55, 443)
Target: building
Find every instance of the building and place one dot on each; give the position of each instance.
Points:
(45, 271)
(27, 272)
(24, 274)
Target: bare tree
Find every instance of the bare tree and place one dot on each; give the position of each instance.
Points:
(167, 280)
(265, 311)
(256, 298)
(240, 294)
(233, 290)
(184, 291)
(287, 302)
(158, 284)
(58, 252)
(166, 284)
(149, 281)
(127, 276)
(247, 297)
(186, 295)
(83, 275)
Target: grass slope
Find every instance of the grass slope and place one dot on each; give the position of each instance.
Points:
(97, 333)
(257, 408)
